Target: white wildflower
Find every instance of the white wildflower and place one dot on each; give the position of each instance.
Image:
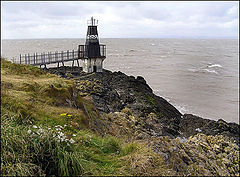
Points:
(40, 131)
(49, 128)
(65, 125)
(63, 138)
(61, 134)
(29, 131)
(58, 126)
(34, 126)
(73, 135)
(71, 140)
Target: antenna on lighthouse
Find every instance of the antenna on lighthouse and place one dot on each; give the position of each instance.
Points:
(92, 22)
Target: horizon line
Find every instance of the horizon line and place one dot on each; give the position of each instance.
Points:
(202, 37)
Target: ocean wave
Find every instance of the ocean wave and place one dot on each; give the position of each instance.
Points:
(181, 109)
(210, 71)
(202, 70)
(192, 70)
(163, 56)
(113, 54)
(215, 65)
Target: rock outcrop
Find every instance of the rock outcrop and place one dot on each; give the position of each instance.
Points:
(113, 91)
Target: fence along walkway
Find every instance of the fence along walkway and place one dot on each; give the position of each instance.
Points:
(49, 58)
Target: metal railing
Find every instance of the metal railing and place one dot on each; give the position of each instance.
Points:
(56, 57)
(48, 58)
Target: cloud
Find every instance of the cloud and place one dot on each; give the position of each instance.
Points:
(67, 19)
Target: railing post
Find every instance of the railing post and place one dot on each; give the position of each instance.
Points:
(25, 59)
(73, 54)
(20, 59)
(49, 60)
(62, 55)
(35, 61)
(44, 57)
(36, 58)
(28, 59)
(67, 54)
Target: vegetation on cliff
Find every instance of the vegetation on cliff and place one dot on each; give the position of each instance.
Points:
(77, 126)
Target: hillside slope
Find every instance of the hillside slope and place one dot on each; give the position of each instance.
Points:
(103, 124)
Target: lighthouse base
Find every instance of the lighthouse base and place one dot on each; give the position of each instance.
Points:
(92, 65)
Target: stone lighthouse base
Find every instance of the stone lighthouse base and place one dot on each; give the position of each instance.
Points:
(92, 65)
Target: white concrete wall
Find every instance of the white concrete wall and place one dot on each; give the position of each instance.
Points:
(88, 65)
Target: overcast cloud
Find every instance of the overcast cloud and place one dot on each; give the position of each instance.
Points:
(154, 19)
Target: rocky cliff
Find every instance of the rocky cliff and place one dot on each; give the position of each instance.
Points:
(114, 91)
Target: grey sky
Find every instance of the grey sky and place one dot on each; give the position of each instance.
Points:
(148, 19)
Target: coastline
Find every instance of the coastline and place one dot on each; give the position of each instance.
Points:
(114, 119)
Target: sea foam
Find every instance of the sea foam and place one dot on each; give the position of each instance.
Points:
(210, 71)
(215, 65)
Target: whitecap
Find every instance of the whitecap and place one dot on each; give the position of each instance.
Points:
(113, 54)
(215, 65)
(152, 44)
(192, 70)
(210, 71)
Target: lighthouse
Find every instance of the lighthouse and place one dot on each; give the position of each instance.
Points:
(92, 53)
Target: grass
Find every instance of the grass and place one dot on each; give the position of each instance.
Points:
(41, 153)
(30, 97)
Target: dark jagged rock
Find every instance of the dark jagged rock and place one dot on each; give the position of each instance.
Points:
(114, 91)
(191, 125)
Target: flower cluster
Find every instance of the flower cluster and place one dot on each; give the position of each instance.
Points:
(57, 133)
(66, 114)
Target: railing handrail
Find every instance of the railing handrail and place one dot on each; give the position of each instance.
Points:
(56, 57)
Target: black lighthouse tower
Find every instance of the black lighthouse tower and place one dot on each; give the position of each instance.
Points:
(92, 53)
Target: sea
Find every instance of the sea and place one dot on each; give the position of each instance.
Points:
(197, 76)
